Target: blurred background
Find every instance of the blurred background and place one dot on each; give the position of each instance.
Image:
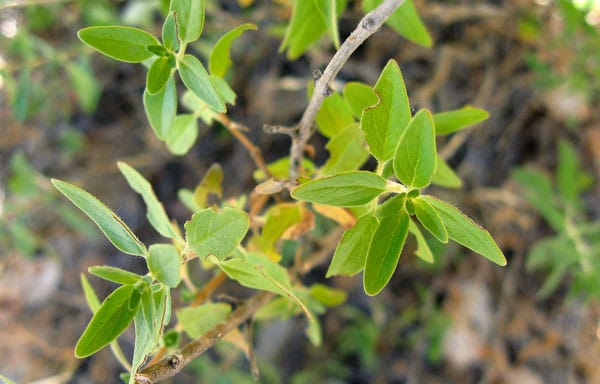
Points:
(530, 176)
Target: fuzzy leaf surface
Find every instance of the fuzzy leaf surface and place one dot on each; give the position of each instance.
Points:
(197, 80)
(164, 262)
(430, 219)
(121, 43)
(161, 108)
(189, 15)
(114, 274)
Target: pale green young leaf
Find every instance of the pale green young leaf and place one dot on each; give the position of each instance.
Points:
(452, 121)
(351, 252)
(423, 251)
(386, 246)
(280, 169)
(444, 175)
(146, 332)
(183, 134)
(347, 151)
(359, 96)
(161, 108)
(114, 274)
(220, 59)
(196, 321)
(155, 211)
(256, 271)
(278, 219)
(84, 84)
(121, 43)
(197, 80)
(329, 297)
(430, 219)
(385, 122)
(211, 183)
(406, 21)
(223, 89)
(90, 296)
(216, 233)
(189, 15)
(115, 230)
(169, 32)
(164, 262)
(465, 231)
(334, 116)
(310, 19)
(110, 320)
(158, 75)
(415, 157)
(347, 189)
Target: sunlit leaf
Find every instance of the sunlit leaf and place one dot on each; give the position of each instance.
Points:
(220, 59)
(359, 96)
(196, 321)
(347, 151)
(197, 80)
(189, 15)
(114, 274)
(351, 252)
(121, 43)
(430, 219)
(164, 262)
(452, 121)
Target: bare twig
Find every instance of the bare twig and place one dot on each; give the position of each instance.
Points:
(172, 364)
(366, 27)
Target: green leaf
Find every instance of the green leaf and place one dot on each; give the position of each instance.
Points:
(347, 151)
(158, 50)
(216, 233)
(169, 32)
(161, 108)
(183, 134)
(423, 251)
(90, 295)
(6, 380)
(310, 19)
(385, 122)
(121, 43)
(280, 168)
(155, 211)
(109, 321)
(444, 175)
(220, 59)
(114, 274)
(406, 21)
(538, 191)
(452, 121)
(115, 230)
(21, 97)
(197, 80)
(164, 262)
(348, 189)
(189, 15)
(415, 157)
(84, 84)
(279, 218)
(567, 173)
(196, 321)
(211, 183)
(430, 219)
(159, 73)
(466, 232)
(359, 96)
(334, 116)
(223, 89)
(328, 296)
(351, 252)
(385, 249)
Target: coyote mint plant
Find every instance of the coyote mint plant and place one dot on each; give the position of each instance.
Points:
(380, 207)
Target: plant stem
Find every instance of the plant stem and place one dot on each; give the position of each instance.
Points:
(367, 26)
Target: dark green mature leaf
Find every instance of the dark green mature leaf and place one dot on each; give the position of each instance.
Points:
(430, 219)
(445, 176)
(116, 275)
(415, 157)
(359, 96)
(385, 122)
(159, 73)
(196, 321)
(155, 211)
(406, 21)
(423, 251)
(189, 15)
(220, 60)
(164, 262)
(115, 230)
(452, 121)
(169, 32)
(216, 233)
(351, 252)
(347, 151)
(334, 116)
(197, 80)
(161, 108)
(183, 134)
(121, 43)
(465, 231)
(349, 189)
(385, 249)
(310, 19)
(109, 321)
